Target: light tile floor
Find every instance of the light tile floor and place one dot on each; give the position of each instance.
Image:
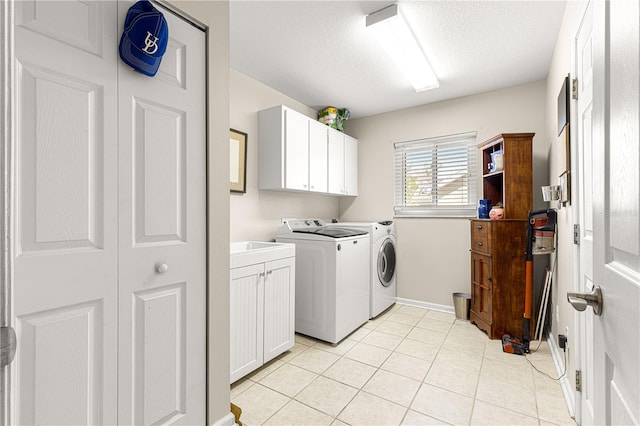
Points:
(409, 366)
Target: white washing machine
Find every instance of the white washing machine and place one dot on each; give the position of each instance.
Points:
(382, 262)
(332, 277)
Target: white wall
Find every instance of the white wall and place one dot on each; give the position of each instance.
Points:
(433, 254)
(563, 280)
(256, 214)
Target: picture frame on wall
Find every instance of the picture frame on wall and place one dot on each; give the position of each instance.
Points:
(238, 161)
(563, 105)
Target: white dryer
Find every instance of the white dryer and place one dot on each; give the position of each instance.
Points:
(382, 263)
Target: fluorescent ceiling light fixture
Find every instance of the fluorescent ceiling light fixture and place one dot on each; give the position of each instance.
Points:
(397, 39)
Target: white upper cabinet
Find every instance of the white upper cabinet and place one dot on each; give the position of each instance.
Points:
(350, 165)
(298, 153)
(296, 150)
(283, 149)
(343, 164)
(336, 163)
(318, 139)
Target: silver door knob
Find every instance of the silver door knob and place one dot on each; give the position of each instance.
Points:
(161, 268)
(580, 301)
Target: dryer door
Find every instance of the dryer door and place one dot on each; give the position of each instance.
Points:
(387, 262)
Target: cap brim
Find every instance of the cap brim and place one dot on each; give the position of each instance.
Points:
(135, 58)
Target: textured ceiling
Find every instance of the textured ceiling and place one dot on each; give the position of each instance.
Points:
(320, 52)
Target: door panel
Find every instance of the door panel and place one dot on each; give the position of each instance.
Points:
(62, 347)
(616, 212)
(584, 137)
(80, 26)
(336, 163)
(159, 354)
(162, 285)
(60, 124)
(296, 173)
(318, 139)
(279, 309)
(159, 174)
(65, 242)
(247, 319)
(351, 165)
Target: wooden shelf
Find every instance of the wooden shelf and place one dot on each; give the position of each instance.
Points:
(513, 185)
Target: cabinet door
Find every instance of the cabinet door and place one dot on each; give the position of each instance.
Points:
(318, 135)
(336, 162)
(481, 285)
(279, 307)
(350, 165)
(247, 304)
(296, 147)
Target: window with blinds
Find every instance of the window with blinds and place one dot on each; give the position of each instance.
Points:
(437, 177)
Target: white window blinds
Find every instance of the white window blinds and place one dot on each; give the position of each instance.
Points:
(437, 177)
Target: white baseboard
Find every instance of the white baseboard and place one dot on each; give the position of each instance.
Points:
(425, 305)
(228, 420)
(557, 355)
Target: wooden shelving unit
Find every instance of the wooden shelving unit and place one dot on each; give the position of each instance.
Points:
(498, 247)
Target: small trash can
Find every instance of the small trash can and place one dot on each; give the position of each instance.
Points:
(462, 305)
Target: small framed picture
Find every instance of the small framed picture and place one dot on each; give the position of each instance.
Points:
(238, 161)
(565, 187)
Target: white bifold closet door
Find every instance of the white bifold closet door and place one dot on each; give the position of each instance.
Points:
(109, 283)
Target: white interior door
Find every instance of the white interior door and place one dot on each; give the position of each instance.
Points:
(65, 209)
(105, 193)
(162, 291)
(616, 211)
(584, 137)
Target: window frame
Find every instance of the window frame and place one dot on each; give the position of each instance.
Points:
(426, 148)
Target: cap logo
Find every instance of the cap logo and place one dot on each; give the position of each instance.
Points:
(150, 44)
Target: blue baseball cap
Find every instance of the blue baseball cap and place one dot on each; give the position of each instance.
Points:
(144, 39)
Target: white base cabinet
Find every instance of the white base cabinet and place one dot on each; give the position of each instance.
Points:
(262, 314)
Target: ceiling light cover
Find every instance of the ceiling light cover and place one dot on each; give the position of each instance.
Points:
(397, 39)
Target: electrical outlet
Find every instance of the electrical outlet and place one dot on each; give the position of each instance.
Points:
(562, 341)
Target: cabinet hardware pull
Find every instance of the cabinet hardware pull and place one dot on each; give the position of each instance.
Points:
(489, 279)
(479, 227)
(479, 243)
(269, 272)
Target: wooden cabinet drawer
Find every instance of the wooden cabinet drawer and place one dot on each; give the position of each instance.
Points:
(480, 228)
(481, 236)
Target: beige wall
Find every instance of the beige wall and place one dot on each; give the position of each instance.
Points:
(215, 15)
(256, 214)
(433, 254)
(563, 280)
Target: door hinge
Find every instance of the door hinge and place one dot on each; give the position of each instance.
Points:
(574, 88)
(576, 234)
(578, 381)
(8, 343)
